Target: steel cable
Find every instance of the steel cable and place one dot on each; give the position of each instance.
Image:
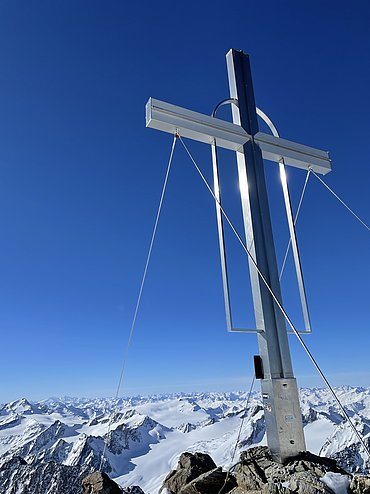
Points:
(239, 434)
(243, 418)
(341, 200)
(133, 323)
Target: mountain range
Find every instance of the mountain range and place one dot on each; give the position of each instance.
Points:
(63, 439)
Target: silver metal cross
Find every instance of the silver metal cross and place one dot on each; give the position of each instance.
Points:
(279, 388)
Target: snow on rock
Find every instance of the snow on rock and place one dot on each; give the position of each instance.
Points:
(337, 482)
(344, 446)
(17, 477)
(22, 406)
(42, 439)
(87, 452)
(185, 428)
(10, 420)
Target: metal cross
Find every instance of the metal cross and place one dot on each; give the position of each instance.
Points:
(279, 388)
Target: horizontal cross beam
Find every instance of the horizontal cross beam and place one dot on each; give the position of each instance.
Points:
(193, 125)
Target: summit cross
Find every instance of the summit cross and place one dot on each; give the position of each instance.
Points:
(284, 427)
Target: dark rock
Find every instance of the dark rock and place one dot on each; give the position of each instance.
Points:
(309, 416)
(189, 467)
(134, 489)
(307, 482)
(258, 431)
(360, 485)
(250, 471)
(325, 464)
(185, 428)
(212, 482)
(99, 483)
(351, 459)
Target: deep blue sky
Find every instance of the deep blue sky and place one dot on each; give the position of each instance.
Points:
(80, 179)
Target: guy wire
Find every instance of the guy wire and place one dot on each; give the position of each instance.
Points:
(128, 345)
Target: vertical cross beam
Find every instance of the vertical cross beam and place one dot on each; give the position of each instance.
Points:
(279, 388)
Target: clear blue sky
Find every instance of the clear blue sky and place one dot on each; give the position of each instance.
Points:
(80, 179)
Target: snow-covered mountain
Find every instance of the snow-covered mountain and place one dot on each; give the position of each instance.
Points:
(143, 437)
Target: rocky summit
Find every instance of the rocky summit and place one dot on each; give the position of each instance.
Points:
(257, 473)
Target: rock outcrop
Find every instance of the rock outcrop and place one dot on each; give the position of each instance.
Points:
(257, 473)
(305, 474)
(215, 481)
(190, 466)
(99, 483)
(135, 489)
(360, 484)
